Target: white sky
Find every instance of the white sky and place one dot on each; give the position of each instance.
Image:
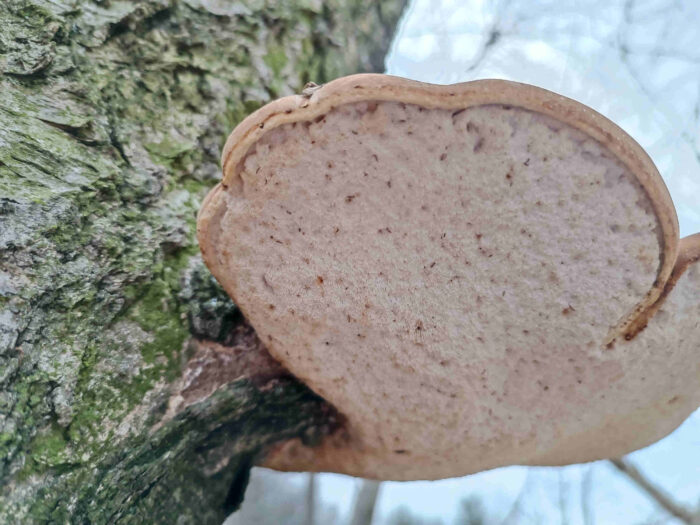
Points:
(638, 63)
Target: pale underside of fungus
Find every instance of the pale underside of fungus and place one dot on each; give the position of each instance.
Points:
(474, 275)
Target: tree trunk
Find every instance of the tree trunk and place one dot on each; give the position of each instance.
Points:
(131, 389)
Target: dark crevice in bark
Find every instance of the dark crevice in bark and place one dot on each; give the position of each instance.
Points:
(236, 491)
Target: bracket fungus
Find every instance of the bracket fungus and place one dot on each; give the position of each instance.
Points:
(474, 275)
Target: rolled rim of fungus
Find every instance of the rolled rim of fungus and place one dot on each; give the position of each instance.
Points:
(380, 88)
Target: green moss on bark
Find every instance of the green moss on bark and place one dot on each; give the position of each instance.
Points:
(112, 117)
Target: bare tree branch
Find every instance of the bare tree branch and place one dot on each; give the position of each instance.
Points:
(563, 512)
(365, 503)
(311, 499)
(586, 486)
(655, 493)
(514, 511)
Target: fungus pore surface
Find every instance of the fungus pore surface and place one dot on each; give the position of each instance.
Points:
(453, 281)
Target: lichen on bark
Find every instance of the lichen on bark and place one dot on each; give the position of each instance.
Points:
(112, 116)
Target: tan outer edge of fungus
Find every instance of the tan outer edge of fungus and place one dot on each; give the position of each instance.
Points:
(376, 87)
(688, 253)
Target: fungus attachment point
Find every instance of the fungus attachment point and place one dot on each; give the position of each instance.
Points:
(474, 275)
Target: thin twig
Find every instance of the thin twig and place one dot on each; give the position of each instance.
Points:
(663, 499)
(563, 513)
(311, 499)
(515, 508)
(365, 502)
(586, 487)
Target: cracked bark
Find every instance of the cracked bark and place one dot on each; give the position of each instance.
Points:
(131, 389)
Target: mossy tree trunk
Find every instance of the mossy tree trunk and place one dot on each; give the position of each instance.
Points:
(130, 388)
